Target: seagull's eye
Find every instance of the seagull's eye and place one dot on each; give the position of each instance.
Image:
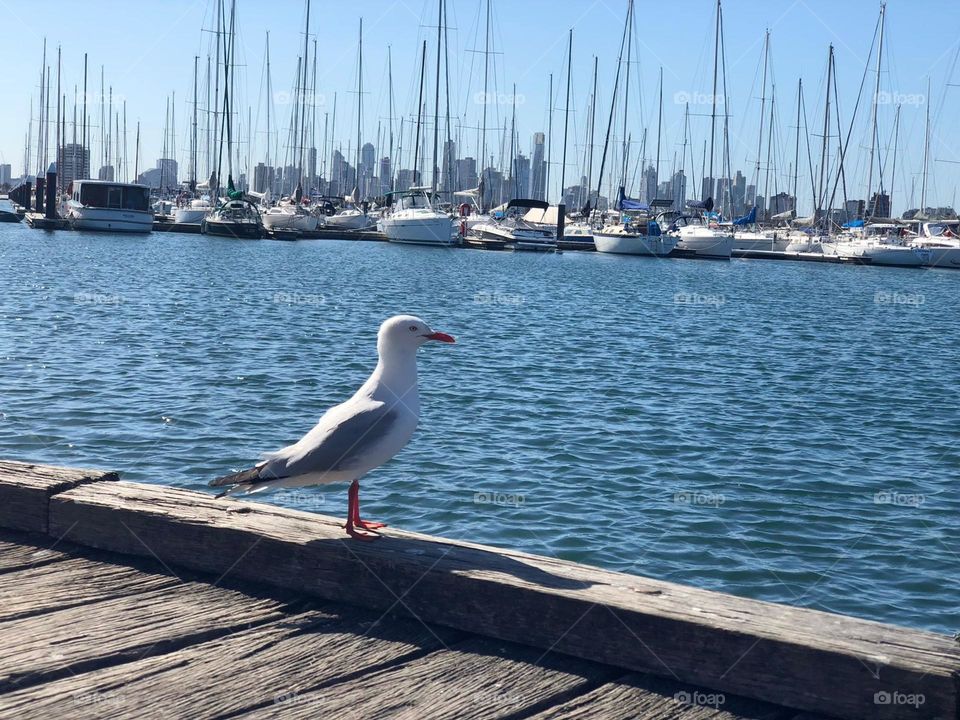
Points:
(413, 328)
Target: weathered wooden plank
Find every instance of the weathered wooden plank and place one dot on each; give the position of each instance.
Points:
(40, 648)
(643, 697)
(249, 668)
(26, 488)
(72, 582)
(806, 659)
(480, 678)
(15, 555)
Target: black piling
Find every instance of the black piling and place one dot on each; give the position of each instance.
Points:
(561, 220)
(40, 202)
(51, 213)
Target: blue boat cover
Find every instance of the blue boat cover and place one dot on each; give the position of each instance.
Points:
(625, 203)
(748, 219)
(853, 224)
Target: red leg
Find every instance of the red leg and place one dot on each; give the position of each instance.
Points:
(353, 515)
(366, 525)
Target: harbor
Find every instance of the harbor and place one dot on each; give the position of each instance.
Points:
(337, 624)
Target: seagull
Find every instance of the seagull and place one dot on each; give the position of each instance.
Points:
(352, 438)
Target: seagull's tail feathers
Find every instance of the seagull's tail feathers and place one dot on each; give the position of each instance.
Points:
(245, 481)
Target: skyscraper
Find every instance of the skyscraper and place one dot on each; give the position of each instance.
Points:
(74, 163)
(679, 189)
(538, 169)
(739, 194)
(649, 188)
(448, 172)
(521, 176)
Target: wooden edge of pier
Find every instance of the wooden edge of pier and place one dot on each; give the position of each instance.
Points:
(809, 660)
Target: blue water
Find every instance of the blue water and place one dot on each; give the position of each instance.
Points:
(784, 431)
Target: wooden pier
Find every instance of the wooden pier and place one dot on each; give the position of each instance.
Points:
(127, 600)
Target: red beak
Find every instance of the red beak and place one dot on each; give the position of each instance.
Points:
(442, 337)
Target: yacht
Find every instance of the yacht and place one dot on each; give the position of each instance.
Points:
(876, 244)
(351, 218)
(942, 240)
(515, 231)
(192, 212)
(108, 206)
(414, 220)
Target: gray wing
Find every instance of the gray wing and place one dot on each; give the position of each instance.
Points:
(339, 448)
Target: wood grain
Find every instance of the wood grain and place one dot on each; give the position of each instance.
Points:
(40, 648)
(480, 678)
(251, 668)
(805, 659)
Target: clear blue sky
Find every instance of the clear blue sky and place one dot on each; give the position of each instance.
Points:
(147, 50)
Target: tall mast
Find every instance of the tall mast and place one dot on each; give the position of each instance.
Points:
(486, 98)
(763, 104)
(217, 139)
(269, 105)
(359, 97)
(57, 143)
(566, 116)
(448, 152)
(546, 182)
(613, 106)
(436, 102)
(896, 139)
(821, 192)
(136, 157)
(713, 112)
(513, 135)
(766, 179)
(659, 130)
(390, 113)
(593, 123)
(926, 154)
(873, 131)
(303, 99)
(626, 95)
(416, 144)
(193, 135)
(796, 152)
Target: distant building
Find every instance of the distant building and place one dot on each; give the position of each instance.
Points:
(855, 208)
(707, 188)
(263, 178)
(538, 169)
(520, 187)
(386, 175)
(448, 172)
(467, 173)
(73, 163)
(648, 187)
(739, 194)
(879, 205)
(780, 203)
(6, 173)
(678, 190)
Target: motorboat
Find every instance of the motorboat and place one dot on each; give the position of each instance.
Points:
(109, 206)
(876, 244)
(414, 220)
(192, 212)
(351, 218)
(511, 226)
(942, 240)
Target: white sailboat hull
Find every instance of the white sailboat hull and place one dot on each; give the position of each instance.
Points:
(624, 244)
(706, 243)
(109, 219)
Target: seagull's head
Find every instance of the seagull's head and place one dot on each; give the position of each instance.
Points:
(407, 332)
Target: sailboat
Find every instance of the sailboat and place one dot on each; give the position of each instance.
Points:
(290, 214)
(235, 216)
(698, 233)
(414, 217)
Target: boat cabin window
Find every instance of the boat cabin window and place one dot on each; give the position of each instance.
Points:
(119, 197)
(408, 202)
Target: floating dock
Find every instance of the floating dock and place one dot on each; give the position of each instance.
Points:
(129, 600)
(38, 221)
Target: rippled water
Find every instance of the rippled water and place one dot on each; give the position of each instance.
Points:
(784, 431)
